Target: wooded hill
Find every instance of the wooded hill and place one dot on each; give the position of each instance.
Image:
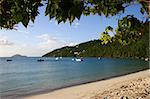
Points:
(94, 48)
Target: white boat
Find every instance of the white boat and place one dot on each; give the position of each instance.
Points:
(99, 57)
(146, 59)
(57, 58)
(78, 59)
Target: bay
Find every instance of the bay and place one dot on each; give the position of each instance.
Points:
(25, 76)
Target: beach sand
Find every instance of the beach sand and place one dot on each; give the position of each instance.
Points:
(131, 86)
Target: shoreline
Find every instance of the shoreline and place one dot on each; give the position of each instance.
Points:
(55, 93)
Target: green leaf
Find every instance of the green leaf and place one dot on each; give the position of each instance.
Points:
(59, 21)
(142, 10)
(25, 20)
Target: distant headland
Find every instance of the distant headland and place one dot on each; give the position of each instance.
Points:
(18, 55)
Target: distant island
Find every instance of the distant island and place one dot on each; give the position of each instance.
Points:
(18, 55)
(94, 48)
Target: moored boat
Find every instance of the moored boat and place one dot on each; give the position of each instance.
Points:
(78, 59)
(8, 60)
(57, 58)
(40, 60)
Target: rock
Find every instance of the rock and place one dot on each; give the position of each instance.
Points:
(105, 98)
(124, 97)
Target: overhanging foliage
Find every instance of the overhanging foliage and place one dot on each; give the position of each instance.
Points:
(13, 12)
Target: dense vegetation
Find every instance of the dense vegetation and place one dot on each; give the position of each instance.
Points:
(13, 12)
(95, 48)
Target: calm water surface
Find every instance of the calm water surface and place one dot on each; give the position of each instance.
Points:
(24, 76)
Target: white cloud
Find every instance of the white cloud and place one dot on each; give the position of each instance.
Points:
(50, 43)
(5, 42)
(46, 37)
(45, 44)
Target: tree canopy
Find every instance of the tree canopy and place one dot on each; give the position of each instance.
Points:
(13, 12)
(129, 30)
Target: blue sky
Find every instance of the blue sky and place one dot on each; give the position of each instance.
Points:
(46, 35)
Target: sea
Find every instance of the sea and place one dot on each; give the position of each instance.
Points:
(26, 76)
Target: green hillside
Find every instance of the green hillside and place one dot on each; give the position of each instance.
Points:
(94, 48)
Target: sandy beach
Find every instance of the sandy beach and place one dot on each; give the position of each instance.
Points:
(131, 86)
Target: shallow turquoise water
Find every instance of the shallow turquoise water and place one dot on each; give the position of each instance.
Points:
(24, 76)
